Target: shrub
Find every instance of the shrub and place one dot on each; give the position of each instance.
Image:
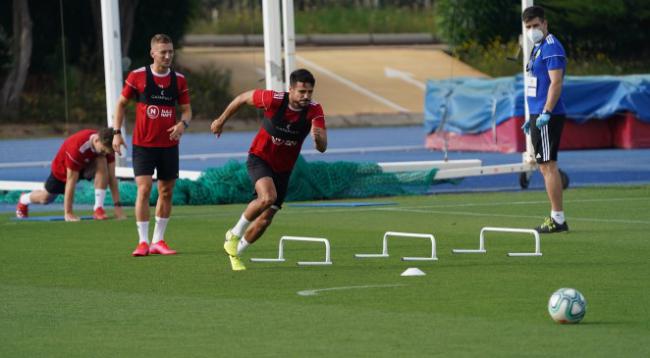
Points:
(481, 21)
(491, 58)
(209, 90)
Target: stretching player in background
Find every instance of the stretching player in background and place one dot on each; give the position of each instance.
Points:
(86, 154)
(288, 118)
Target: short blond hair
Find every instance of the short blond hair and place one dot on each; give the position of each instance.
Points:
(160, 38)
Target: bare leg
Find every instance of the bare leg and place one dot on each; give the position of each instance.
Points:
(164, 204)
(41, 197)
(266, 196)
(553, 183)
(144, 183)
(101, 173)
(257, 227)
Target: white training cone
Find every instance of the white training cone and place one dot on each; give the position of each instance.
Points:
(413, 271)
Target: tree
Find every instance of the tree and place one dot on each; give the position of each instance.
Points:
(21, 53)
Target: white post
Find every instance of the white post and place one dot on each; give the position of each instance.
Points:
(289, 34)
(112, 58)
(283, 239)
(384, 246)
(528, 156)
(481, 241)
(272, 45)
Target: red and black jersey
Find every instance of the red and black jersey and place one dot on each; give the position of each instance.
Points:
(75, 153)
(279, 140)
(156, 108)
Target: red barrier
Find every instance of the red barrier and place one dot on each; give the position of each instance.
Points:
(628, 132)
(620, 131)
(508, 139)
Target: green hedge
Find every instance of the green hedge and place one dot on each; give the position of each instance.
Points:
(616, 28)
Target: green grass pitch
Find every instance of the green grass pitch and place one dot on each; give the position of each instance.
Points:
(73, 290)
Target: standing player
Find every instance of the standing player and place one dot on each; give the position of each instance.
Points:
(157, 89)
(546, 69)
(288, 118)
(86, 154)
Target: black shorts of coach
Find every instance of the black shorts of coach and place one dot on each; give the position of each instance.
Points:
(258, 168)
(546, 141)
(163, 160)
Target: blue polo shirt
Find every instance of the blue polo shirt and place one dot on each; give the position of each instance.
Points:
(547, 55)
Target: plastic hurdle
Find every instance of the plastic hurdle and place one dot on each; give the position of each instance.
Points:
(283, 239)
(481, 242)
(388, 234)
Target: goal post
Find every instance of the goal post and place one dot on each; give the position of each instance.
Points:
(112, 61)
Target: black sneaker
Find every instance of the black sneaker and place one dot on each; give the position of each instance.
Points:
(550, 226)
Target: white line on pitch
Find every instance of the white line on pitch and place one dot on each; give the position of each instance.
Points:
(465, 213)
(530, 202)
(467, 205)
(352, 85)
(314, 292)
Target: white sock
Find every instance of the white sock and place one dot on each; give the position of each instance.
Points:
(241, 246)
(24, 199)
(159, 229)
(558, 216)
(100, 195)
(241, 226)
(143, 231)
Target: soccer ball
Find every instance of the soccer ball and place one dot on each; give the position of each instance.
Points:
(567, 305)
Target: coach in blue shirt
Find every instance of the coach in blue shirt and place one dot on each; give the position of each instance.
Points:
(543, 85)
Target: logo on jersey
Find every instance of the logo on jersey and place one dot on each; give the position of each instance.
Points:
(166, 113)
(153, 112)
(280, 141)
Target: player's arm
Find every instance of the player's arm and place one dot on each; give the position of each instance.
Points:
(115, 191)
(320, 138)
(554, 89)
(72, 177)
(118, 139)
(177, 130)
(233, 107)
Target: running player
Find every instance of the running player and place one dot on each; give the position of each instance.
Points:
(288, 118)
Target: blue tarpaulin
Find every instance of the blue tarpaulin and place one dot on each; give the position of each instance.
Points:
(474, 105)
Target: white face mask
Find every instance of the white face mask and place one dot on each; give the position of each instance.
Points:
(535, 35)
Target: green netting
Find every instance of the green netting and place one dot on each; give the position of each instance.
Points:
(309, 181)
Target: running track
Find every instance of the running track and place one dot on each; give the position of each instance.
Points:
(382, 144)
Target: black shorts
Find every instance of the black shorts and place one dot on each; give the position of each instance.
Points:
(258, 168)
(546, 141)
(55, 186)
(163, 160)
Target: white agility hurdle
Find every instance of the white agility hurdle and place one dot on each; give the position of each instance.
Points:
(481, 243)
(388, 234)
(280, 258)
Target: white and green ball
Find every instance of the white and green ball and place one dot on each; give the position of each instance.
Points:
(567, 305)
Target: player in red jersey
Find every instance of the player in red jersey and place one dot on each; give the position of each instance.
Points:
(288, 118)
(86, 154)
(157, 89)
